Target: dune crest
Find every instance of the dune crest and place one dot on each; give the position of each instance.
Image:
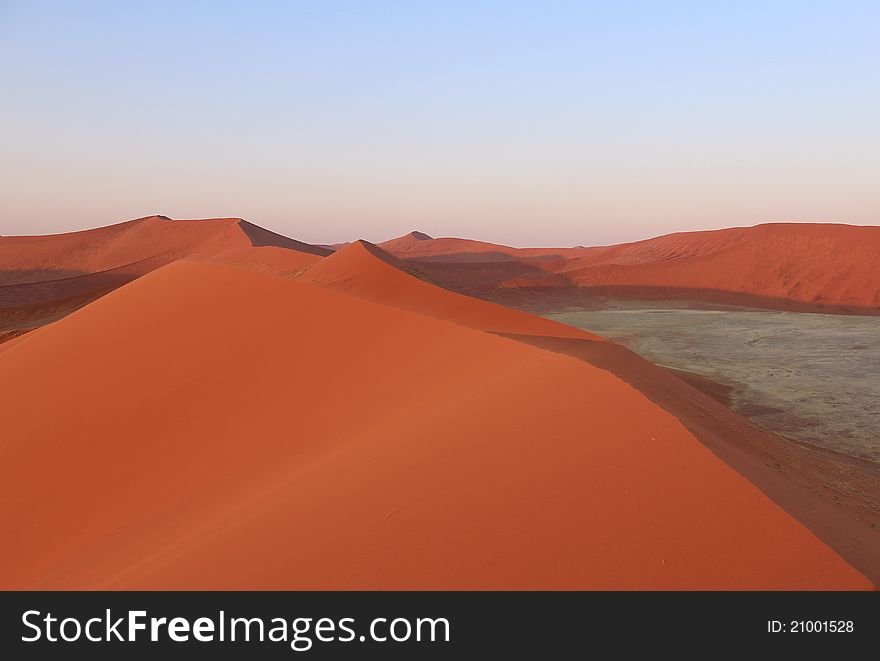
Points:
(805, 266)
(365, 270)
(43, 278)
(807, 263)
(418, 245)
(38, 258)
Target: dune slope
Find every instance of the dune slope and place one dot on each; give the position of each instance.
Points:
(213, 427)
(807, 263)
(42, 278)
(40, 258)
(364, 270)
(803, 266)
(418, 245)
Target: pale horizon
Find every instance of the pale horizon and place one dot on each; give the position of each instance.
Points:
(535, 124)
(432, 235)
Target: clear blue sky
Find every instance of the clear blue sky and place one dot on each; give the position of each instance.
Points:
(527, 123)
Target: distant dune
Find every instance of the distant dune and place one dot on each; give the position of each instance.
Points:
(813, 267)
(418, 245)
(836, 265)
(33, 258)
(212, 427)
(369, 272)
(42, 278)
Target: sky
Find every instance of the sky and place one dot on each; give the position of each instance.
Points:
(524, 123)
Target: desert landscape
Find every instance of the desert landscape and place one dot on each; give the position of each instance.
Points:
(206, 404)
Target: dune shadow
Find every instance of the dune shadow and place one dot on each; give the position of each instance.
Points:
(23, 276)
(261, 238)
(546, 299)
(34, 298)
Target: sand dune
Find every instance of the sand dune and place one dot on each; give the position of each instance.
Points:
(42, 278)
(418, 245)
(269, 259)
(39, 258)
(822, 264)
(364, 270)
(214, 427)
(785, 265)
(789, 266)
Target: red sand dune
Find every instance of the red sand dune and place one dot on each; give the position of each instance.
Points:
(364, 270)
(40, 258)
(213, 427)
(813, 266)
(269, 259)
(418, 245)
(42, 278)
(807, 263)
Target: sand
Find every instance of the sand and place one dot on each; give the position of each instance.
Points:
(418, 245)
(813, 378)
(365, 270)
(43, 278)
(197, 440)
(51, 257)
(833, 494)
(799, 266)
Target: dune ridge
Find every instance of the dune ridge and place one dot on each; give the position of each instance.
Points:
(418, 245)
(45, 277)
(365, 270)
(807, 263)
(37, 258)
(812, 266)
(830, 513)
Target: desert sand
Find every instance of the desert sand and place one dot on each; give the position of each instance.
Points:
(364, 270)
(798, 266)
(418, 245)
(43, 278)
(340, 422)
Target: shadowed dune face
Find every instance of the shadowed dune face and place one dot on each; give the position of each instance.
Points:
(478, 277)
(821, 264)
(816, 267)
(260, 238)
(216, 456)
(71, 283)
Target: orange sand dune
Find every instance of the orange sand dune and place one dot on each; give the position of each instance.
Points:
(662, 248)
(417, 245)
(807, 265)
(823, 264)
(269, 259)
(213, 427)
(40, 258)
(369, 272)
(42, 278)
